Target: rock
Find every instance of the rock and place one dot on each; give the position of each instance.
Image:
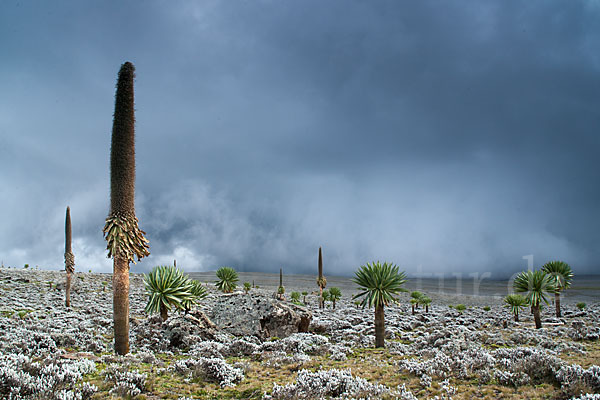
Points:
(254, 315)
(184, 329)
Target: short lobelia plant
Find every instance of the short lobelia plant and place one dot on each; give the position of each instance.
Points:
(326, 296)
(304, 294)
(295, 296)
(228, 279)
(379, 284)
(536, 285)
(415, 300)
(515, 302)
(581, 306)
(125, 239)
(247, 287)
(563, 275)
(69, 258)
(427, 302)
(334, 295)
(321, 280)
(167, 288)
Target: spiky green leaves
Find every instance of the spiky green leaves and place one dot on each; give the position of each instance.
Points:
(379, 283)
(561, 272)
(198, 293)
(416, 297)
(168, 287)
(335, 294)
(124, 237)
(536, 285)
(515, 302)
(228, 279)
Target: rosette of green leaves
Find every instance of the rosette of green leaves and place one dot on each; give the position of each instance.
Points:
(198, 293)
(228, 279)
(167, 287)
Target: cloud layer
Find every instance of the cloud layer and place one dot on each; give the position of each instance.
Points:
(443, 137)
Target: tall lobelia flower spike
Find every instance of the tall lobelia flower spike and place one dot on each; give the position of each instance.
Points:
(69, 258)
(126, 240)
(321, 281)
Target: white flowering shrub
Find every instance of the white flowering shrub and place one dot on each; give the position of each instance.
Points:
(333, 383)
(514, 379)
(339, 353)
(587, 397)
(239, 348)
(126, 383)
(306, 343)
(572, 375)
(211, 369)
(279, 358)
(22, 378)
(207, 349)
(537, 363)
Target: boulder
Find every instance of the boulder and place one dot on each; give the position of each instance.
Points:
(185, 329)
(255, 315)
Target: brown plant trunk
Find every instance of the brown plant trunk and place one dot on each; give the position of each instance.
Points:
(164, 313)
(321, 302)
(426, 309)
(517, 316)
(413, 309)
(334, 304)
(557, 303)
(121, 304)
(379, 327)
(536, 317)
(68, 290)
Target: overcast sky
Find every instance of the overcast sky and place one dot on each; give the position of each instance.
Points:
(454, 136)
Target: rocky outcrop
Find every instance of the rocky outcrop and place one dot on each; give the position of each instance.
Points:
(184, 329)
(255, 315)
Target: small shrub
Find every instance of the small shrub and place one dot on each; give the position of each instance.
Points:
(304, 294)
(581, 306)
(486, 308)
(247, 287)
(295, 297)
(460, 308)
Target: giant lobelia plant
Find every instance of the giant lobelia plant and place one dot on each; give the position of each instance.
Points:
(169, 288)
(126, 240)
(515, 302)
(535, 285)
(69, 258)
(379, 284)
(562, 275)
(228, 279)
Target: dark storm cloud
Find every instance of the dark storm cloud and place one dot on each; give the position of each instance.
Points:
(441, 136)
